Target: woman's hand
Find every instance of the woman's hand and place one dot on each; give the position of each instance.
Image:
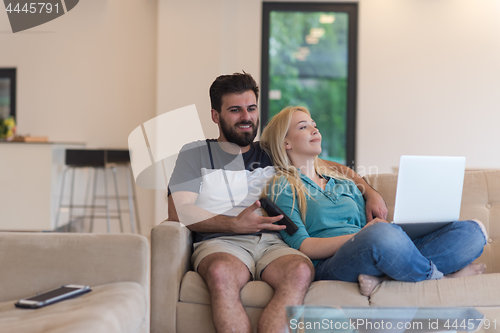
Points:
(375, 220)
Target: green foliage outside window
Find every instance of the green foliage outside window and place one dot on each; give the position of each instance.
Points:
(314, 74)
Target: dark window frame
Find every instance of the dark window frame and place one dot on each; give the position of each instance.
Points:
(11, 74)
(352, 10)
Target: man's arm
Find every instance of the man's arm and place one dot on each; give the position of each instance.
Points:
(200, 220)
(375, 205)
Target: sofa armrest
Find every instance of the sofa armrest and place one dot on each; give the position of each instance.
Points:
(35, 262)
(170, 261)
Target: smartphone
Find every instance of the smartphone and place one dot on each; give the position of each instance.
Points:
(52, 296)
(273, 210)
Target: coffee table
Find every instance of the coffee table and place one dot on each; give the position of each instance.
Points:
(316, 319)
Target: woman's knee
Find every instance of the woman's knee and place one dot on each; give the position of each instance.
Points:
(481, 227)
(474, 231)
(384, 236)
(381, 232)
(473, 238)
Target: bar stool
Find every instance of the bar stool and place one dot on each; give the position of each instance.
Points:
(96, 160)
(121, 157)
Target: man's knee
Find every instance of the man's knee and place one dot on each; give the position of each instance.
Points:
(289, 270)
(303, 271)
(299, 270)
(223, 270)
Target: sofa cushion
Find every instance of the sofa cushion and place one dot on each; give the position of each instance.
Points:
(203, 314)
(491, 316)
(195, 290)
(115, 307)
(478, 290)
(335, 293)
(258, 293)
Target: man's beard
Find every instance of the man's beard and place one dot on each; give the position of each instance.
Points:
(242, 139)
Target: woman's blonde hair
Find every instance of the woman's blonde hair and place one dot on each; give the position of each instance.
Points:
(273, 142)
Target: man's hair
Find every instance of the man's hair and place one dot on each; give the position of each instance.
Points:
(236, 83)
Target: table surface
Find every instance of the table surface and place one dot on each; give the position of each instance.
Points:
(42, 143)
(386, 319)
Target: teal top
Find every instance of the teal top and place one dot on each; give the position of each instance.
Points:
(337, 210)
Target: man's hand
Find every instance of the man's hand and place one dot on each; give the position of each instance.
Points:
(375, 206)
(375, 220)
(200, 220)
(248, 221)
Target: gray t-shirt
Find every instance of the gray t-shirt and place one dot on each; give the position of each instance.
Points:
(226, 183)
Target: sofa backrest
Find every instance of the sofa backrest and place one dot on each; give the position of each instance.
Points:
(36, 262)
(480, 200)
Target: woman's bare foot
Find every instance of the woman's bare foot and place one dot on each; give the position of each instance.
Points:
(367, 283)
(472, 269)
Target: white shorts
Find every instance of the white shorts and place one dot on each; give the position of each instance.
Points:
(256, 252)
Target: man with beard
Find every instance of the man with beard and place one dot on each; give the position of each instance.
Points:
(215, 187)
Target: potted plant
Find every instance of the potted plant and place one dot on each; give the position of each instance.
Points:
(7, 128)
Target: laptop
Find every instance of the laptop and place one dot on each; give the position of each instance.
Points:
(429, 193)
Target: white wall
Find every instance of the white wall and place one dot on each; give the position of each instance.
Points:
(198, 41)
(429, 74)
(88, 76)
(428, 71)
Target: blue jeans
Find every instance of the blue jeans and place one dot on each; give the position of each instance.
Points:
(385, 249)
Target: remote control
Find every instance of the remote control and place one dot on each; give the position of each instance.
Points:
(273, 210)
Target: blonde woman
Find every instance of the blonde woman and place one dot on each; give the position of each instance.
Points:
(330, 213)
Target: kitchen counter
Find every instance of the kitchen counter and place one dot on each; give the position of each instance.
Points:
(30, 178)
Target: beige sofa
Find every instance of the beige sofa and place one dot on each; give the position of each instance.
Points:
(114, 266)
(180, 300)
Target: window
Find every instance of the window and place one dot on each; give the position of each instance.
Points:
(7, 92)
(309, 59)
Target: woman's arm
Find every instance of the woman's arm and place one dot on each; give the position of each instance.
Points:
(321, 248)
(280, 193)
